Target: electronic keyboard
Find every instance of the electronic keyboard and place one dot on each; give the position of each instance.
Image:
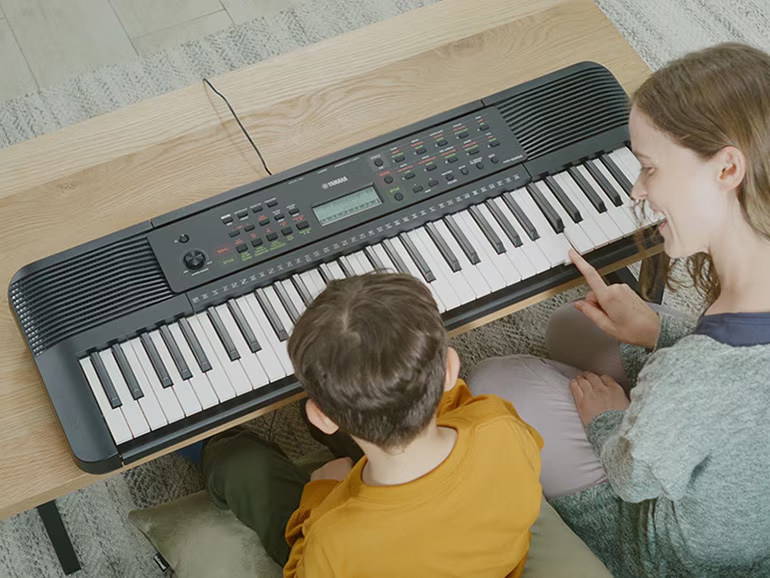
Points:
(164, 330)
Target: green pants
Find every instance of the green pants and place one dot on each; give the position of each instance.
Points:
(257, 482)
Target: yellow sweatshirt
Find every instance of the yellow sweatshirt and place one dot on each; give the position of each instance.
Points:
(469, 517)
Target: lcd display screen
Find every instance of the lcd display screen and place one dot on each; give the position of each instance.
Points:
(346, 206)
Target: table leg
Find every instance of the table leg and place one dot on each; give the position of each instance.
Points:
(57, 533)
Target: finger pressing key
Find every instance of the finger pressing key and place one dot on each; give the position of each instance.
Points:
(591, 275)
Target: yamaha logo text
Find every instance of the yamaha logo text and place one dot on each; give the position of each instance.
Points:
(334, 182)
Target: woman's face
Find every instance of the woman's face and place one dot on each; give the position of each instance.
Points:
(676, 182)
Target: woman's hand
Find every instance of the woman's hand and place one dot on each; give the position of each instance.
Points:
(596, 394)
(616, 309)
(334, 470)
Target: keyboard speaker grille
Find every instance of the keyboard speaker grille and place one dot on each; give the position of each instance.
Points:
(87, 290)
(551, 115)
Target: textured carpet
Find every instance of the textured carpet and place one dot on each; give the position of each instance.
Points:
(96, 517)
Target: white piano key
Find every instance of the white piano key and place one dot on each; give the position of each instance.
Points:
(618, 214)
(627, 201)
(363, 262)
(350, 265)
(272, 296)
(146, 376)
(554, 246)
(515, 255)
(486, 265)
(574, 232)
(217, 376)
(236, 375)
(199, 380)
(114, 419)
(472, 275)
(294, 295)
(455, 286)
(278, 347)
(311, 284)
(487, 252)
(630, 161)
(153, 412)
(401, 251)
(609, 229)
(590, 226)
(248, 361)
(130, 408)
(267, 355)
(390, 267)
(183, 390)
(529, 247)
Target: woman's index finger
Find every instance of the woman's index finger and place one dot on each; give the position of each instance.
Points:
(591, 275)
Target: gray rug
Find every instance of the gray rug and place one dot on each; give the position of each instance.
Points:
(96, 517)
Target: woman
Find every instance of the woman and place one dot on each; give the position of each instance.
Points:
(675, 482)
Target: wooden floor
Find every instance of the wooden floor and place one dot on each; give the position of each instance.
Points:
(43, 42)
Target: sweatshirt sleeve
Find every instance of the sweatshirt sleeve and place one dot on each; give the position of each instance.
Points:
(297, 528)
(652, 449)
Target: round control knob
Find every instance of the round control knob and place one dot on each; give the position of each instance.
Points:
(194, 259)
(183, 238)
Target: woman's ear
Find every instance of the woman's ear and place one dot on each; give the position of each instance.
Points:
(319, 419)
(731, 164)
(452, 368)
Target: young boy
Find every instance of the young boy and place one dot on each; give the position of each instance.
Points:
(449, 485)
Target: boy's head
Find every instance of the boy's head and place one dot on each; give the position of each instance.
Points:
(371, 352)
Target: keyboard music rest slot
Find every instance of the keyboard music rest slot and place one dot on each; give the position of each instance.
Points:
(195, 346)
(157, 364)
(243, 326)
(128, 374)
(176, 355)
(107, 386)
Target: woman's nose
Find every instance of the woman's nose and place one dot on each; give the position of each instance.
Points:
(638, 193)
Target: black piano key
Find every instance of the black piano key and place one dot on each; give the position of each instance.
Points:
(564, 199)
(418, 259)
(488, 231)
(224, 336)
(395, 257)
(176, 354)
(128, 373)
(302, 289)
(462, 240)
(521, 216)
(271, 315)
(590, 194)
(286, 301)
(545, 207)
(195, 346)
(155, 360)
(326, 278)
(104, 378)
(443, 248)
(345, 269)
(243, 326)
(615, 171)
(374, 259)
(504, 223)
(605, 185)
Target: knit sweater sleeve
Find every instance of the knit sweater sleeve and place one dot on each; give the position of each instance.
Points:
(652, 449)
(672, 329)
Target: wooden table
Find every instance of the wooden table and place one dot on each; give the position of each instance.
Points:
(91, 179)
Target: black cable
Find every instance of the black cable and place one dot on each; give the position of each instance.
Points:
(240, 124)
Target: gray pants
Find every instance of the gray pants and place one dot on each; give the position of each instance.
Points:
(539, 390)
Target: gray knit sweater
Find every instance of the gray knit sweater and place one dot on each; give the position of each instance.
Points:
(688, 463)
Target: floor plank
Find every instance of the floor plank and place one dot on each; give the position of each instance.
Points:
(176, 35)
(141, 17)
(17, 77)
(245, 10)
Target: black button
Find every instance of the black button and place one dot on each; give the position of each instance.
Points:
(420, 150)
(302, 225)
(409, 174)
(279, 217)
(388, 179)
(241, 248)
(227, 220)
(494, 160)
(286, 231)
(449, 176)
(473, 150)
(378, 162)
(235, 233)
(183, 238)
(483, 126)
(479, 165)
(431, 166)
(398, 197)
(263, 221)
(249, 227)
(399, 157)
(462, 134)
(452, 159)
(494, 143)
(293, 211)
(256, 208)
(441, 142)
(271, 203)
(256, 242)
(272, 236)
(432, 182)
(242, 214)
(464, 170)
(417, 188)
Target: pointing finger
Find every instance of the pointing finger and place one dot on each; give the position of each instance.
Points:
(591, 275)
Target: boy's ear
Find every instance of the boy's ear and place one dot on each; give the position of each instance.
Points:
(452, 368)
(319, 419)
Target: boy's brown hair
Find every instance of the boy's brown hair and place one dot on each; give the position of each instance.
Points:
(371, 353)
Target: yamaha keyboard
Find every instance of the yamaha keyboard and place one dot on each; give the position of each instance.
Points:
(164, 330)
